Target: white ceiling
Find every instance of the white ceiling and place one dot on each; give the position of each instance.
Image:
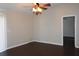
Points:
(21, 7)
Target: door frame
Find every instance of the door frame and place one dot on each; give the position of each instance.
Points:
(5, 31)
(74, 29)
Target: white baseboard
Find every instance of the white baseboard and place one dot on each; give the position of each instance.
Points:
(49, 42)
(18, 45)
(14, 46)
(76, 46)
(3, 50)
(29, 42)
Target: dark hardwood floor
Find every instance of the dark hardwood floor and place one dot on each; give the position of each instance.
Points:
(69, 41)
(41, 49)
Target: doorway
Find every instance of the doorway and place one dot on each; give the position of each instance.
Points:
(69, 31)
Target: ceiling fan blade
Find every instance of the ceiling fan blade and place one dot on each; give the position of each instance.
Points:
(44, 6)
(48, 4)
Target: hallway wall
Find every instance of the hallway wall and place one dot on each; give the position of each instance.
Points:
(69, 26)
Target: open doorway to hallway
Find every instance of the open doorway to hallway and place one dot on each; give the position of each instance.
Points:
(69, 31)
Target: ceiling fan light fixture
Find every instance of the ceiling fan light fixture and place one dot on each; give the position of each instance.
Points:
(38, 8)
(34, 10)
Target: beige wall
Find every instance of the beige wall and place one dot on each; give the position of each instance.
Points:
(19, 28)
(36, 28)
(50, 24)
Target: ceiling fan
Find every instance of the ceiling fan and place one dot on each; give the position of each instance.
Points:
(37, 8)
